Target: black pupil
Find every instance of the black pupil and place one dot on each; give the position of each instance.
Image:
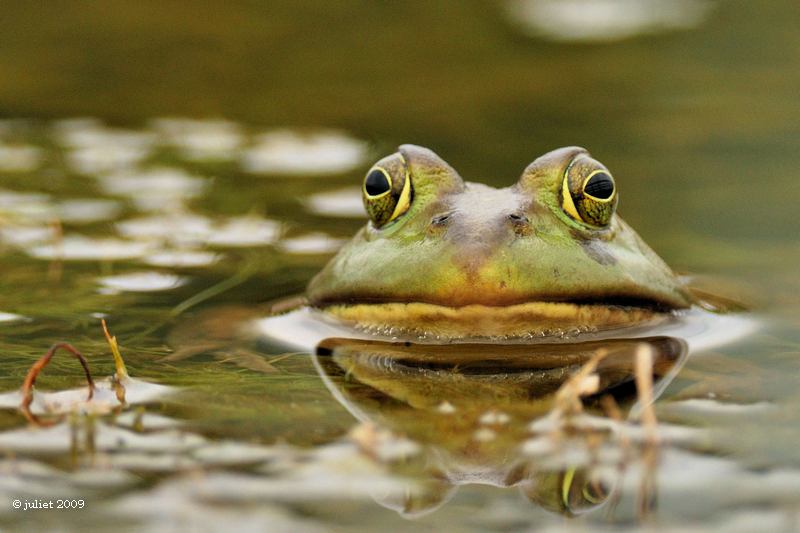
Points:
(600, 186)
(376, 183)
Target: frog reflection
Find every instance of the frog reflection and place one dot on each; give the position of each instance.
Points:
(470, 409)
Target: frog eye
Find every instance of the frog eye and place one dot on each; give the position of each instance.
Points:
(588, 192)
(580, 493)
(387, 190)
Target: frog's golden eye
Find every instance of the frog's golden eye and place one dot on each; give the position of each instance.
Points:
(588, 192)
(387, 190)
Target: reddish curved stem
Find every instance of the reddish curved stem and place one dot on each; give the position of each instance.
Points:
(36, 369)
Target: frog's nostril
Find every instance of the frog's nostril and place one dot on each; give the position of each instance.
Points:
(520, 223)
(440, 220)
(440, 224)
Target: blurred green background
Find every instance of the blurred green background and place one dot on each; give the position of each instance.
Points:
(706, 116)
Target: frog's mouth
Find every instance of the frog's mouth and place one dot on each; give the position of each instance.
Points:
(533, 318)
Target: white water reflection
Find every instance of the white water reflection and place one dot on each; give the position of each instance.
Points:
(605, 20)
(11, 317)
(93, 149)
(182, 258)
(20, 157)
(24, 205)
(345, 203)
(245, 231)
(187, 229)
(21, 235)
(82, 248)
(57, 439)
(31, 479)
(292, 152)
(155, 189)
(27, 207)
(312, 243)
(201, 140)
(141, 282)
(181, 228)
(87, 210)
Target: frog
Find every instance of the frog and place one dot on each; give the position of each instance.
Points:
(446, 258)
(458, 312)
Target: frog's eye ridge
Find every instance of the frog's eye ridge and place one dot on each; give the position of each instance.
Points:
(588, 192)
(387, 191)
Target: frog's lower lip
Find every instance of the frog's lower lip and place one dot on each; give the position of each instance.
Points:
(477, 320)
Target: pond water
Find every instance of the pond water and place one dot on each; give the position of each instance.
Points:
(174, 173)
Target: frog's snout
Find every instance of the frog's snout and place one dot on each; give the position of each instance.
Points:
(481, 231)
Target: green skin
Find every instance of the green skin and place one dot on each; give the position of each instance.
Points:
(496, 247)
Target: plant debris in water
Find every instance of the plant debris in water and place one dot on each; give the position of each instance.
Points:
(101, 397)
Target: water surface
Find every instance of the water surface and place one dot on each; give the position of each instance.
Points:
(172, 174)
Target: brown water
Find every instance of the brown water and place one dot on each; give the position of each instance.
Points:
(178, 231)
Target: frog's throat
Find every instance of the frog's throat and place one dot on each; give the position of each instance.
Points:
(475, 320)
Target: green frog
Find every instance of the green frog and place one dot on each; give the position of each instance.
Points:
(452, 259)
(458, 313)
